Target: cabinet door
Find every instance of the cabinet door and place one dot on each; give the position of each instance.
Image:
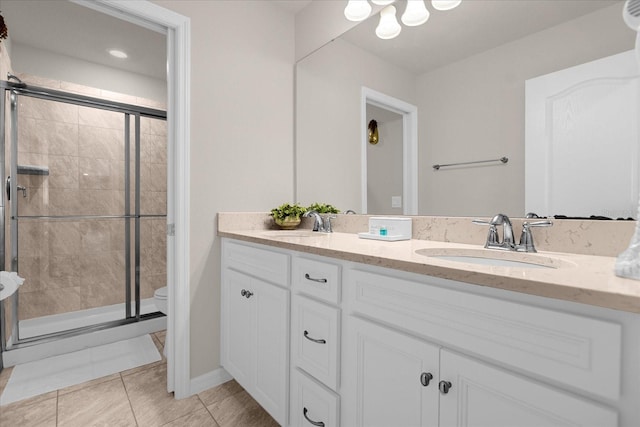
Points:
(482, 395)
(255, 340)
(238, 328)
(271, 348)
(384, 384)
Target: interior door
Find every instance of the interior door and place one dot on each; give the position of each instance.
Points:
(582, 138)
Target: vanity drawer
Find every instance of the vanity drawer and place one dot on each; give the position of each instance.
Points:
(578, 351)
(261, 263)
(311, 402)
(316, 339)
(317, 278)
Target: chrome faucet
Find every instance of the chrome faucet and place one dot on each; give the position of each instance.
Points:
(508, 242)
(320, 224)
(493, 239)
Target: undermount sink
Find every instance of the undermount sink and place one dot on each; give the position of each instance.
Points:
(286, 234)
(495, 258)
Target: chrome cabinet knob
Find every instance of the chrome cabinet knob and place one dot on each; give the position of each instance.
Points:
(444, 386)
(245, 293)
(426, 378)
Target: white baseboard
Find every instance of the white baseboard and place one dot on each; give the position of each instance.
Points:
(209, 380)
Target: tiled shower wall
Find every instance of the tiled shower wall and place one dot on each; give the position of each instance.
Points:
(72, 264)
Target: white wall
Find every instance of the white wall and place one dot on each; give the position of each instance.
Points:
(328, 94)
(474, 110)
(38, 62)
(316, 25)
(242, 56)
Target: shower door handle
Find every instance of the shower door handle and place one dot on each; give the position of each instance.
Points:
(18, 187)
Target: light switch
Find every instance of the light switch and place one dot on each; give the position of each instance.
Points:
(396, 201)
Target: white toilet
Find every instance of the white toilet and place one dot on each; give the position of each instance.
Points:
(160, 300)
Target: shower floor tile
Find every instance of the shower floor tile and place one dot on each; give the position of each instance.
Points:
(42, 376)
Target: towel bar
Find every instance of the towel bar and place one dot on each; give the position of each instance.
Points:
(501, 159)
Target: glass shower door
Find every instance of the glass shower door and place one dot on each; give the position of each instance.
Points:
(85, 213)
(68, 218)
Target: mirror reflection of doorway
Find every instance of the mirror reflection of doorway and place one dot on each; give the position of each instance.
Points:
(384, 163)
(392, 165)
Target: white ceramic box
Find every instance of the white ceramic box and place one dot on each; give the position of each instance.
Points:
(388, 228)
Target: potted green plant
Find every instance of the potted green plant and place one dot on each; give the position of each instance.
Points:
(287, 216)
(323, 208)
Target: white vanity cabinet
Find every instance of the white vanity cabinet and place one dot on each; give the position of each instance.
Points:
(396, 379)
(255, 323)
(319, 341)
(403, 359)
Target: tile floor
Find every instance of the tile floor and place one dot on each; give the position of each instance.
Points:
(136, 397)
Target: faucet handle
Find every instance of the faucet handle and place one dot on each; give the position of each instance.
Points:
(545, 223)
(327, 223)
(526, 238)
(492, 237)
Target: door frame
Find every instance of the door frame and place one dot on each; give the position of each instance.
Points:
(409, 114)
(178, 31)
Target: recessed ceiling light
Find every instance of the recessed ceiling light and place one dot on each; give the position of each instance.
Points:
(118, 54)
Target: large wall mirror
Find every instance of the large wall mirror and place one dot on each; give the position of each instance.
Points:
(465, 70)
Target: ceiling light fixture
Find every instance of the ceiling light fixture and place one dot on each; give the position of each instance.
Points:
(416, 13)
(118, 54)
(445, 4)
(357, 10)
(388, 27)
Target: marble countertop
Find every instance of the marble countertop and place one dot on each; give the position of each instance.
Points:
(586, 279)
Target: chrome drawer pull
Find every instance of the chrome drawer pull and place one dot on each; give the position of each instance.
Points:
(315, 423)
(306, 335)
(306, 276)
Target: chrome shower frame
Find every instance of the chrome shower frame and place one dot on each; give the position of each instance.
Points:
(13, 90)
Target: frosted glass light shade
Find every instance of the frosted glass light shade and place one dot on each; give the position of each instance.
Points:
(445, 4)
(388, 27)
(415, 14)
(357, 10)
(382, 2)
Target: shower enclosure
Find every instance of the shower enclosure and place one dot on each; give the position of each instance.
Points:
(84, 212)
